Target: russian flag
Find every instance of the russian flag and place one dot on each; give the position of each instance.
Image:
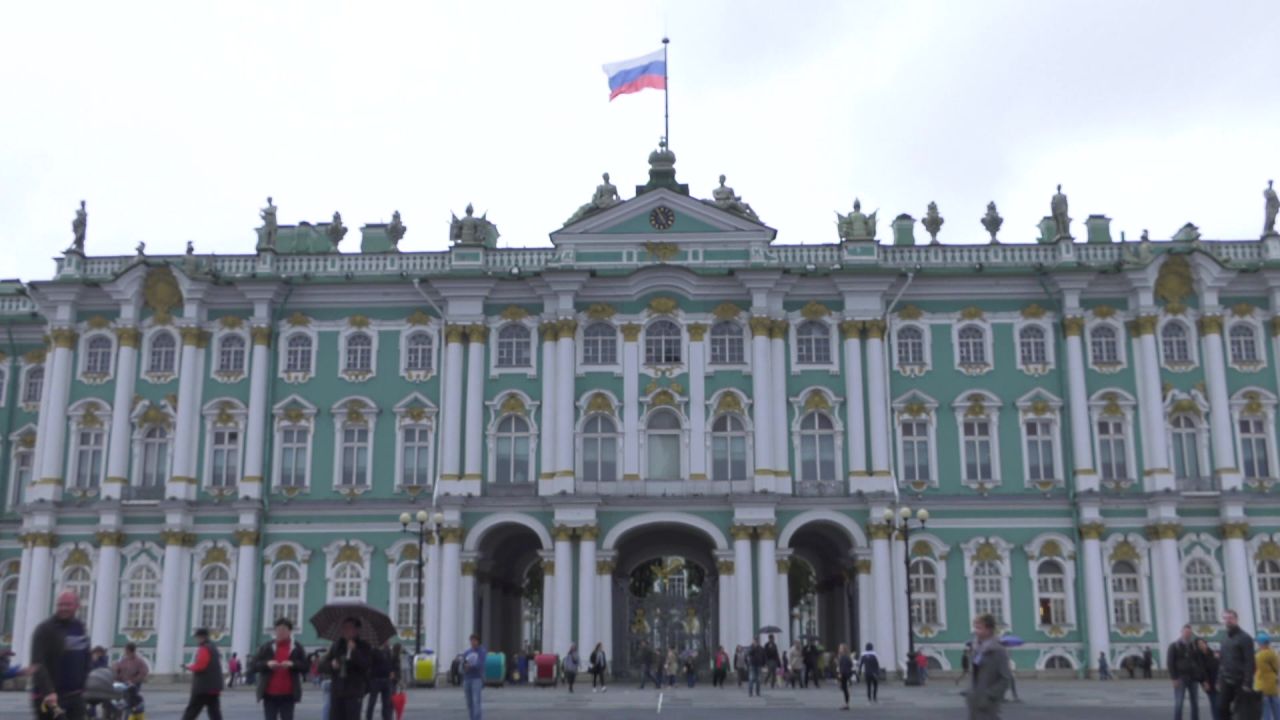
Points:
(636, 74)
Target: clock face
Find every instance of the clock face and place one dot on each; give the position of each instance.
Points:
(662, 218)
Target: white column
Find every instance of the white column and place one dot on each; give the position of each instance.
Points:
(782, 596)
(121, 427)
(745, 628)
(40, 587)
(450, 574)
(866, 604)
(256, 423)
(186, 433)
(566, 398)
(1167, 574)
(473, 440)
(547, 438)
(548, 601)
(467, 603)
(1220, 424)
(1153, 430)
(431, 599)
(1078, 405)
(900, 640)
(21, 628)
(855, 409)
(587, 637)
(762, 410)
(1239, 583)
(43, 417)
(57, 385)
(697, 402)
(877, 401)
(106, 589)
(781, 407)
(767, 557)
(564, 589)
(631, 402)
(242, 617)
(451, 421)
(1095, 593)
(604, 605)
(882, 582)
(169, 625)
(728, 635)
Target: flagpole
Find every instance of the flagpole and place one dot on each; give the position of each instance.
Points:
(666, 95)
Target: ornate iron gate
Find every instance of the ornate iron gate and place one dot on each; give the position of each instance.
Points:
(667, 620)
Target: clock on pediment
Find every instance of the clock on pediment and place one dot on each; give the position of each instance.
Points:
(662, 218)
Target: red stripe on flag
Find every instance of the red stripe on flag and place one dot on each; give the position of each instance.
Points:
(656, 82)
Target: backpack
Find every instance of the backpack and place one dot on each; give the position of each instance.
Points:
(872, 665)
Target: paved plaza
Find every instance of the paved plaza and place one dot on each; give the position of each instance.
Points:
(1041, 699)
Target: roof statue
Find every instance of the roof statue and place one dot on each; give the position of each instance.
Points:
(336, 230)
(191, 247)
(724, 198)
(267, 233)
(395, 229)
(141, 248)
(81, 223)
(471, 230)
(606, 196)
(932, 222)
(856, 226)
(1273, 205)
(992, 221)
(1058, 209)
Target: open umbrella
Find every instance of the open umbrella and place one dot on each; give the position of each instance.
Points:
(1011, 641)
(769, 629)
(375, 627)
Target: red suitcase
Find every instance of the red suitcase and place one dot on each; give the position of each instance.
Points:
(546, 666)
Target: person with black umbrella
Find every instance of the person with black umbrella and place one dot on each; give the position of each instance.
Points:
(348, 662)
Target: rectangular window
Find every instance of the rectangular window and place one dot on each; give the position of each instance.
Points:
(415, 469)
(728, 457)
(1112, 453)
(1253, 446)
(977, 451)
(224, 469)
(1040, 466)
(600, 349)
(23, 463)
(293, 457)
(513, 459)
(1126, 601)
(355, 456)
(664, 456)
(89, 458)
(915, 452)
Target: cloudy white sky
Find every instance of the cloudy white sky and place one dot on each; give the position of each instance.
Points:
(176, 120)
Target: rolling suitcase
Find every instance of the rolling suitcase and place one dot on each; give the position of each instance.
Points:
(495, 669)
(546, 665)
(424, 670)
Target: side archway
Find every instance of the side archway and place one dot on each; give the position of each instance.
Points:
(477, 532)
(707, 527)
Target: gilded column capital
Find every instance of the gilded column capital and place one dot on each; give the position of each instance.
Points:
(862, 566)
(568, 328)
(128, 337)
(778, 329)
(477, 333)
(768, 531)
(190, 335)
(453, 333)
(724, 567)
(875, 329)
(1073, 325)
(851, 329)
(109, 538)
(604, 567)
(1210, 325)
(550, 331)
(548, 567)
(761, 326)
(589, 532)
(1093, 530)
(879, 531)
(631, 332)
(451, 534)
(784, 566)
(697, 332)
(741, 532)
(38, 538)
(245, 537)
(1235, 530)
(261, 335)
(468, 567)
(202, 339)
(1145, 325)
(561, 533)
(1275, 325)
(1163, 531)
(63, 338)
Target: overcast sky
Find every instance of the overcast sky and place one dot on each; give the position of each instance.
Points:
(175, 120)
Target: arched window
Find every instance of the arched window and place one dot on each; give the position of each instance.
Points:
(286, 594)
(141, 595)
(90, 443)
(1186, 451)
(972, 345)
(1051, 587)
(1032, 348)
(813, 343)
(97, 356)
(599, 449)
(924, 593)
(662, 343)
(727, 345)
(215, 597)
(359, 352)
(1113, 453)
(231, 355)
(348, 582)
(155, 456)
(8, 604)
(406, 610)
(728, 448)
(910, 346)
(1103, 346)
(79, 581)
(1126, 595)
(817, 448)
(297, 356)
(1244, 344)
(662, 442)
(164, 352)
(1254, 447)
(512, 442)
(513, 346)
(418, 352)
(224, 466)
(32, 386)
(1058, 662)
(988, 590)
(1174, 343)
(1201, 591)
(600, 344)
(1268, 592)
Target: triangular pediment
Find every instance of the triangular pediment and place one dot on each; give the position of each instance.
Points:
(662, 215)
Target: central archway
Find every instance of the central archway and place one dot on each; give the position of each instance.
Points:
(823, 600)
(507, 601)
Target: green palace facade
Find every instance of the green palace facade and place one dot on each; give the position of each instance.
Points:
(666, 427)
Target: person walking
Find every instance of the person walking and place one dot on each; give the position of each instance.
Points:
(671, 667)
(381, 671)
(795, 661)
(1146, 663)
(233, 670)
(810, 656)
(869, 669)
(991, 674)
(131, 669)
(473, 676)
(598, 664)
(965, 655)
(772, 661)
(348, 662)
(206, 679)
(571, 664)
(647, 659)
(844, 670)
(922, 665)
(740, 664)
(719, 667)
(60, 659)
(279, 666)
(1185, 671)
(1236, 666)
(1209, 661)
(1104, 670)
(1264, 677)
(755, 665)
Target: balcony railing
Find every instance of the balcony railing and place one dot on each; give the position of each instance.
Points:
(142, 493)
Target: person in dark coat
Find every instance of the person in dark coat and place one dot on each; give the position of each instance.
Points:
(348, 662)
(869, 668)
(1236, 666)
(381, 676)
(60, 659)
(772, 661)
(811, 664)
(755, 665)
(1209, 661)
(991, 673)
(646, 667)
(279, 666)
(1146, 663)
(1186, 671)
(206, 679)
(844, 671)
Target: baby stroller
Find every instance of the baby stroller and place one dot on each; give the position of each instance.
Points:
(117, 700)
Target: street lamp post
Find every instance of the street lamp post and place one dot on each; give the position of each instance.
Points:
(901, 521)
(426, 525)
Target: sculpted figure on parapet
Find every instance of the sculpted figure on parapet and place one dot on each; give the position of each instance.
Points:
(1273, 205)
(471, 230)
(606, 196)
(856, 225)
